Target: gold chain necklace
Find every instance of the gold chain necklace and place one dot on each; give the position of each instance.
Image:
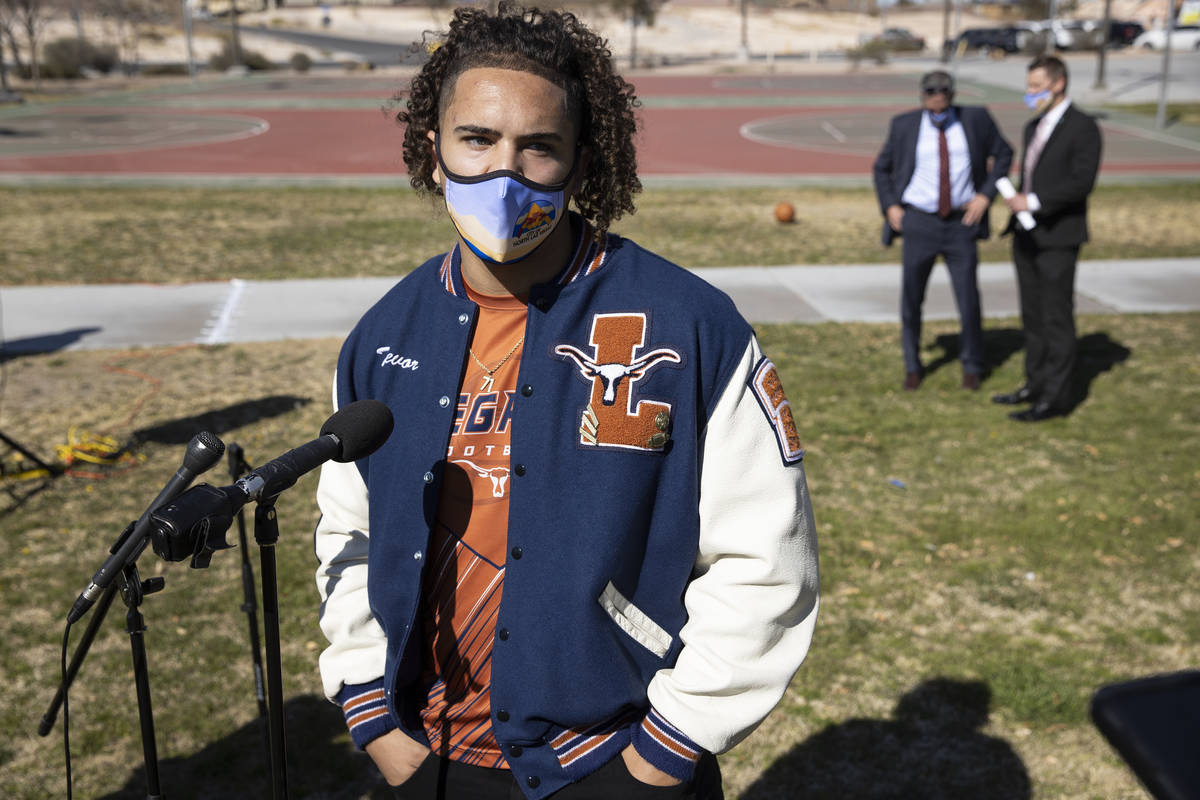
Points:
(486, 384)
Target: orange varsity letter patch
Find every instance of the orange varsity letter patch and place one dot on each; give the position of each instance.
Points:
(614, 367)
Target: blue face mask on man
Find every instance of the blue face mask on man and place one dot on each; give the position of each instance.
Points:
(502, 215)
(1035, 100)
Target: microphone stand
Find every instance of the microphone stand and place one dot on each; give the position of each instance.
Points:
(237, 468)
(133, 591)
(266, 534)
(81, 651)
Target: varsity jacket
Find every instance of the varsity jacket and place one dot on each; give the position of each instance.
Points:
(661, 583)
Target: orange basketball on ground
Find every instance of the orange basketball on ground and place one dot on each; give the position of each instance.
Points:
(785, 212)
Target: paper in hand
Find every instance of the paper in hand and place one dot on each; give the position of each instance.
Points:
(1005, 187)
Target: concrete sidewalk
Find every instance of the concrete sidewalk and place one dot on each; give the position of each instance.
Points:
(47, 318)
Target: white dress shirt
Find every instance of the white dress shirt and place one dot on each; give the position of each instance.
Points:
(922, 190)
(1045, 127)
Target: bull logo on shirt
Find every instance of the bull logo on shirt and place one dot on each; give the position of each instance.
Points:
(614, 367)
(497, 475)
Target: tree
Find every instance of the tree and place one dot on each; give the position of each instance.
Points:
(30, 16)
(8, 39)
(130, 17)
(639, 12)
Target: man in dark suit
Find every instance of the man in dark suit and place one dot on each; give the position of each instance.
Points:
(1060, 159)
(935, 179)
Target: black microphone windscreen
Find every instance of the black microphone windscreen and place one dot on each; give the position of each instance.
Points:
(203, 451)
(361, 428)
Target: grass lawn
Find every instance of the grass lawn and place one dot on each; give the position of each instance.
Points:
(1188, 113)
(981, 579)
(102, 235)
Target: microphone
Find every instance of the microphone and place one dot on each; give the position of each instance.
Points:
(183, 527)
(203, 451)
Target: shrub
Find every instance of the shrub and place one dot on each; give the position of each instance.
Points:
(874, 50)
(67, 57)
(164, 69)
(300, 62)
(251, 59)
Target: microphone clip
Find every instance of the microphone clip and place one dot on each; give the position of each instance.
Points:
(194, 525)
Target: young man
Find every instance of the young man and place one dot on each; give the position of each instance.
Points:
(585, 562)
(935, 179)
(1059, 163)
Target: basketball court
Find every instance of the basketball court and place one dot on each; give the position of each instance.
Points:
(719, 128)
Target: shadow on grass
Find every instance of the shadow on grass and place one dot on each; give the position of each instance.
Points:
(932, 749)
(218, 421)
(999, 345)
(1097, 354)
(321, 762)
(48, 343)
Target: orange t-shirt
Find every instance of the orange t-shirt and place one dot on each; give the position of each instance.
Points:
(464, 579)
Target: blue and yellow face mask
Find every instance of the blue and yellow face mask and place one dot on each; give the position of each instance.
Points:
(1034, 101)
(502, 215)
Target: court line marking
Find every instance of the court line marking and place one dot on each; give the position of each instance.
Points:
(255, 126)
(746, 131)
(218, 329)
(832, 130)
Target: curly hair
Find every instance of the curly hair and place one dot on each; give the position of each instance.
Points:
(556, 46)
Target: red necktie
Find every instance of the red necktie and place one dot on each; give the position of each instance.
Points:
(943, 174)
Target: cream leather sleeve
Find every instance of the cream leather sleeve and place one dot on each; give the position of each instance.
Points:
(357, 645)
(752, 603)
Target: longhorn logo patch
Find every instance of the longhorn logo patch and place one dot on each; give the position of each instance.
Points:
(614, 367)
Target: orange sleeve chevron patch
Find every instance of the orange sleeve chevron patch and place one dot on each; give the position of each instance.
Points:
(768, 388)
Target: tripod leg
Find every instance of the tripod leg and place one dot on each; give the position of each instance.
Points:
(133, 592)
(81, 651)
(53, 469)
(266, 533)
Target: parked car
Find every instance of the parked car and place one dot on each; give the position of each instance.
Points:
(900, 39)
(983, 40)
(1184, 37)
(1121, 33)
(1077, 34)
(1031, 36)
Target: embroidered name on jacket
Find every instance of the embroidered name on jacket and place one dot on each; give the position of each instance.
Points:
(614, 368)
(395, 359)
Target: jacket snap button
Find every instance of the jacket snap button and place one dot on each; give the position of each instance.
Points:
(427, 477)
(519, 469)
(502, 715)
(515, 751)
(503, 634)
(443, 401)
(534, 781)
(517, 552)
(527, 390)
(463, 319)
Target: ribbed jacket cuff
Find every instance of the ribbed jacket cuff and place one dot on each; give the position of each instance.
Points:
(665, 746)
(365, 707)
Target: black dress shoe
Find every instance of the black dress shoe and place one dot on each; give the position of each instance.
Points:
(912, 380)
(1022, 395)
(1035, 413)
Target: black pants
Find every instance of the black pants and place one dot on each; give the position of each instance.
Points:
(1046, 280)
(927, 236)
(442, 779)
